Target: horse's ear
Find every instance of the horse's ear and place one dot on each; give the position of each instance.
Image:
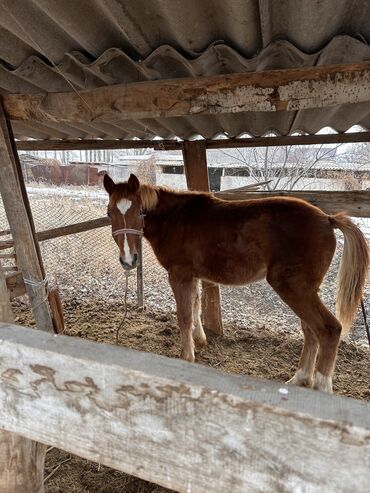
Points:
(133, 184)
(108, 184)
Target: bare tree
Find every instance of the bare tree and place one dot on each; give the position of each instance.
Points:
(358, 155)
(281, 167)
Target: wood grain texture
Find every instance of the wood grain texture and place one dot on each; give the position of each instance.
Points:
(196, 172)
(50, 234)
(355, 203)
(56, 307)
(6, 314)
(180, 425)
(21, 459)
(289, 90)
(15, 285)
(21, 464)
(21, 227)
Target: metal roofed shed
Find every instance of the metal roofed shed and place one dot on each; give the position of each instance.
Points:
(47, 49)
(171, 75)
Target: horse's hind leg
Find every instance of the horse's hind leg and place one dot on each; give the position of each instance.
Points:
(309, 308)
(183, 291)
(306, 366)
(198, 332)
(328, 334)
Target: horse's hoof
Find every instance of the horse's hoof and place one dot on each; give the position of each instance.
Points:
(187, 357)
(300, 382)
(199, 344)
(323, 383)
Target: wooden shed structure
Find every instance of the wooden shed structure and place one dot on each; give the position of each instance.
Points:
(169, 74)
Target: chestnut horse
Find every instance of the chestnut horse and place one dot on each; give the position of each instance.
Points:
(286, 241)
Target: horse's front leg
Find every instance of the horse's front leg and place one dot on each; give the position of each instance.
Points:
(198, 332)
(184, 295)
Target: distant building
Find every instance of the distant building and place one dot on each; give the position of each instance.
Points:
(227, 169)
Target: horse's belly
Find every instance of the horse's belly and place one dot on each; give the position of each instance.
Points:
(235, 276)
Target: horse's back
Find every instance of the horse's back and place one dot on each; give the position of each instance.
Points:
(238, 241)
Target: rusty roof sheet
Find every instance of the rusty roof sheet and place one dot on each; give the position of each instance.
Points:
(46, 43)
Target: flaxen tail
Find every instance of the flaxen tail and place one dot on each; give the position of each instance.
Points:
(352, 271)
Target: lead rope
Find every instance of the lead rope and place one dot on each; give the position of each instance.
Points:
(127, 273)
(365, 320)
(35, 285)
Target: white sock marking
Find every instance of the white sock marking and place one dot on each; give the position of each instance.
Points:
(323, 383)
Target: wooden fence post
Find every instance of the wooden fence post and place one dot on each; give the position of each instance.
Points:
(21, 459)
(18, 214)
(195, 161)
(139, 276)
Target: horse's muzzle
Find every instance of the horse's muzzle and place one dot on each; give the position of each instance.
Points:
(127, 265)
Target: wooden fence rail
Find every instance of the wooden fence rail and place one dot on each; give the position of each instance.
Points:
(180, 425)
(355, 203)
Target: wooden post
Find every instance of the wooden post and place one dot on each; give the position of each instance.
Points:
(26, 246)
(195, 162)
(21, 459)
(56, 309)
(139, 276)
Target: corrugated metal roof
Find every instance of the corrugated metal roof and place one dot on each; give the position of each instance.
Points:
(99, 42)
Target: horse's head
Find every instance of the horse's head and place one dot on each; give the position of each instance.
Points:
(125, 212)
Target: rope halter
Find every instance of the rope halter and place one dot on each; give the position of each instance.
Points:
(129, 231)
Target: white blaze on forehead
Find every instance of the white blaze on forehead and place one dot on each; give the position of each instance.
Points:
(123, 205)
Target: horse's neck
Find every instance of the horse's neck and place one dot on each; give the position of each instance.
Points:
(168, 203)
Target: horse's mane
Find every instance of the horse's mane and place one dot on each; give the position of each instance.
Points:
(149, 194)
(148, 197)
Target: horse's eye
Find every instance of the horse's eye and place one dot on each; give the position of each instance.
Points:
(108, 214)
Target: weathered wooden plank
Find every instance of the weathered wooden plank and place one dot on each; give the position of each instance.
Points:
(96, 144)
(355, 203)
(15, 285)
(181, 425)
(6, 314)
(290, 140)
(21, 459)
(195, 163)
(56, 307)
(50, 234)
(289, 90)
(196, 171)
(7, 255)
(9, 268)
(169, 145)
(21, 227)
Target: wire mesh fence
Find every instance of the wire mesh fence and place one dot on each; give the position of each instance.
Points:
(85, 266)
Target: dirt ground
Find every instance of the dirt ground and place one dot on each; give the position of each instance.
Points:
(256, 351)
(261, 338)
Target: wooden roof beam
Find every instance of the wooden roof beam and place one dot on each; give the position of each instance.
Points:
(270, 91)
(171, 145)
